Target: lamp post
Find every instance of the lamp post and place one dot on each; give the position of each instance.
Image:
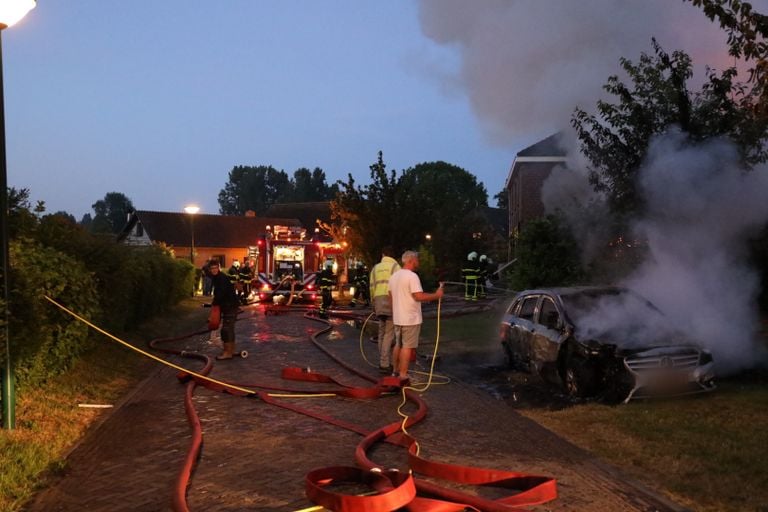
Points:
(11, 11)
(192, 210)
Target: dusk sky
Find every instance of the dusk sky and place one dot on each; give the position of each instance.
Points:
(160, 99)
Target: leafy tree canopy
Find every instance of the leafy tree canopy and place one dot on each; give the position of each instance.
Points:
(615, 141)
(369, 214)
(444, 199)
(747, 32)
(433, 198)
(502, 200)
(111, 213)
(259, 187)
(547, 255)
(311, 186)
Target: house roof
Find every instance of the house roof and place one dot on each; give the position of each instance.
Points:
(175, 229)
(547, 150)
(307, 213)
(551, 146)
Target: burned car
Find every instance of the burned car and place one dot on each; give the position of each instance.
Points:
(602, 341)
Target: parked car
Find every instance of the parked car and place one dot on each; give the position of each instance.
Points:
(606, 341)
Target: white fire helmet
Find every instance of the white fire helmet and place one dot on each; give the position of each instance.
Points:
(483, 257)
(472, 256)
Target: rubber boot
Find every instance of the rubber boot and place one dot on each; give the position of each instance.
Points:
(228, 352)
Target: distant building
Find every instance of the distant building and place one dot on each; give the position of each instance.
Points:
(530, 168)
(226, 237)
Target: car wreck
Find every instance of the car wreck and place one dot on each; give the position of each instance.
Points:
(606, 342)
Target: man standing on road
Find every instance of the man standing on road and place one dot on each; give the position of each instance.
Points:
(382, 306)
(406, 294)
(224, 296)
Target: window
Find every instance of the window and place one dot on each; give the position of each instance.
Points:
(548, 315)
(528, 307)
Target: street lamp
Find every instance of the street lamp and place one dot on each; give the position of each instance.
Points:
(192, 210)
(11, 11)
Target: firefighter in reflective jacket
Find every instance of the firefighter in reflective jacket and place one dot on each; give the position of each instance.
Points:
(362, 286)
(234, 277)
(325, 281)
(245, 274)
(471, 275)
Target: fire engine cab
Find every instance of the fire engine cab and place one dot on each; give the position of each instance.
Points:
(287, 265)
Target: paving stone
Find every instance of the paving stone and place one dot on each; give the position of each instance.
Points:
(255, 456)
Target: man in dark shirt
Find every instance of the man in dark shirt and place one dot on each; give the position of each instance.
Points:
(225, 297)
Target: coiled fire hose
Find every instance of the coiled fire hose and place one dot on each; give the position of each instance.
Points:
(394, 489)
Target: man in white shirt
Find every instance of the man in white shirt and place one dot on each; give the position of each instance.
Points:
(406, 295)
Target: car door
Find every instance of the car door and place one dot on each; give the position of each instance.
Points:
(520, 331)
(545, 336)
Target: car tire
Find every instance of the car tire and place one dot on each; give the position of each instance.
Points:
(514, 361)
(509, 357)
(577, 376)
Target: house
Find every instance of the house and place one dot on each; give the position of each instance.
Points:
(203, 236)
(530, 168)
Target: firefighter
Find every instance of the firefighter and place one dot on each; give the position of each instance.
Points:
(362, 285)
(482, 275)
(245, 274)
(234, 276)
(471, 275)
(325, 281)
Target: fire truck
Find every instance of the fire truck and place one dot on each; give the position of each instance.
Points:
(287, 265)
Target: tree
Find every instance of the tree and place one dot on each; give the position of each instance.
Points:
(547, 255)
(369, 215)
(616, 140)
(502, 199)
(747, 32)
(433, 198)
(253, 188)
(442, 199)
(65, 215)
(21, 221)
(311, 186)
(111, 213)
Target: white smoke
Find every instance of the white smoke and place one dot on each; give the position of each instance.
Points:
(702, 210)
(526, 64)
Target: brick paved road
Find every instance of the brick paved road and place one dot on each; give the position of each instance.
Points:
(255, 455)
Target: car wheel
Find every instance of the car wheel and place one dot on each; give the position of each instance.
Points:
(578, 378)
(513, 360)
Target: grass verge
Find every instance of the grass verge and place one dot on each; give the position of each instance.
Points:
(707, 452)
(49, 419)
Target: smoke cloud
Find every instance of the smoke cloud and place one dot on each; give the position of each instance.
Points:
(526, 64)
(702, 210)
